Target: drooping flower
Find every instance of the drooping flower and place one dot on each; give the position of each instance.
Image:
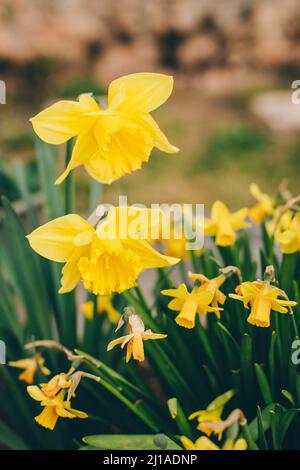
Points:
(212, 285)
(262, 297)
(104, 304)
(189, 304)
(108, 258)
(134, 340)
(54, 407)
(223, 224)
(212, 414)
(114, 141)
(56, 384)
(289, 236)
(204, 443)
(30, 366)
(264, 207)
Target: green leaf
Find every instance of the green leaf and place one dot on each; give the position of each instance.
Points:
(265, 422)
(263, 384)
(130, 442)
(261, 432)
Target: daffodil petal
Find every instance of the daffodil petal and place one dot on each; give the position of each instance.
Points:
(140, 91)
(55, 240)
(149, 257)
(159, 139)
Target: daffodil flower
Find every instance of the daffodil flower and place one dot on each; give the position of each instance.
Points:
(263, 208)
(289, 237)
(189, 304)
(134, 340)
(105, 259)
(262, 298)
(104, 304)
(211, 285)
(212, 414)
(54, 407)
(113, 141)
(204, 443)
(223, 225)
(56, 384)
(30, 366)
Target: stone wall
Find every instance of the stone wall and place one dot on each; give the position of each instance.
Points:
(120, 36)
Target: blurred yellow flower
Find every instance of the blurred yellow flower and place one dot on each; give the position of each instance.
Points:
(30, 366)
(279, 222)
(211, 285)
(189, 304)
(264, 207)
(289, 236)
(104, 304)
(223, 224)
(204, 443)
(57, 383)
(262, 298)
(212, 414)
(54, 407)
(105, 259)
(134, 340)
(113, 141)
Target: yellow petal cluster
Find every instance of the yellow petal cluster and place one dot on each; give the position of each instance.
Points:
(30, 366)
(264, 206)
(134, 340)
(223, 225)
(189, 304)
(204, 443)
(289, 235)
(54, 407)
(104, 304)
(262, 298)
(113, 141)
(104, 259)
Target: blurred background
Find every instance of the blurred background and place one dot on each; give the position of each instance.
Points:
(230, 114)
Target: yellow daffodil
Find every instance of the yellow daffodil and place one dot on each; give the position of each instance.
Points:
(189, 304)
(112, 141)
(134, 340)
(203, 443)
(262, 298)
(211, 285)
(104, 258)
(279, 222)
(54, 407)
(30, 366)
(223, 224)
(212, 414)
(104, 304)
(57, 383)
(263, 208)
(289, 237)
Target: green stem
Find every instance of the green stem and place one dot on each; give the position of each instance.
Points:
(69, 182)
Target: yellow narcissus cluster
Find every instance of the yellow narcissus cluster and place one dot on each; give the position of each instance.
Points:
(113, 141)
(105, 259)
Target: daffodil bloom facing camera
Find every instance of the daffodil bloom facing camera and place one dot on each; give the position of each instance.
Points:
(107, 258)
(104, 304)
(223, 225)
(264, 206)
(113, 141)
(214, 285)
(30, 366)
(289, 237)
(54, 407)
(204, 443)
(262, 298)
(189, 304)
(212, 414)
(134, 340)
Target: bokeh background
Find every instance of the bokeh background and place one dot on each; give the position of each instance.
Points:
(231, 112)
